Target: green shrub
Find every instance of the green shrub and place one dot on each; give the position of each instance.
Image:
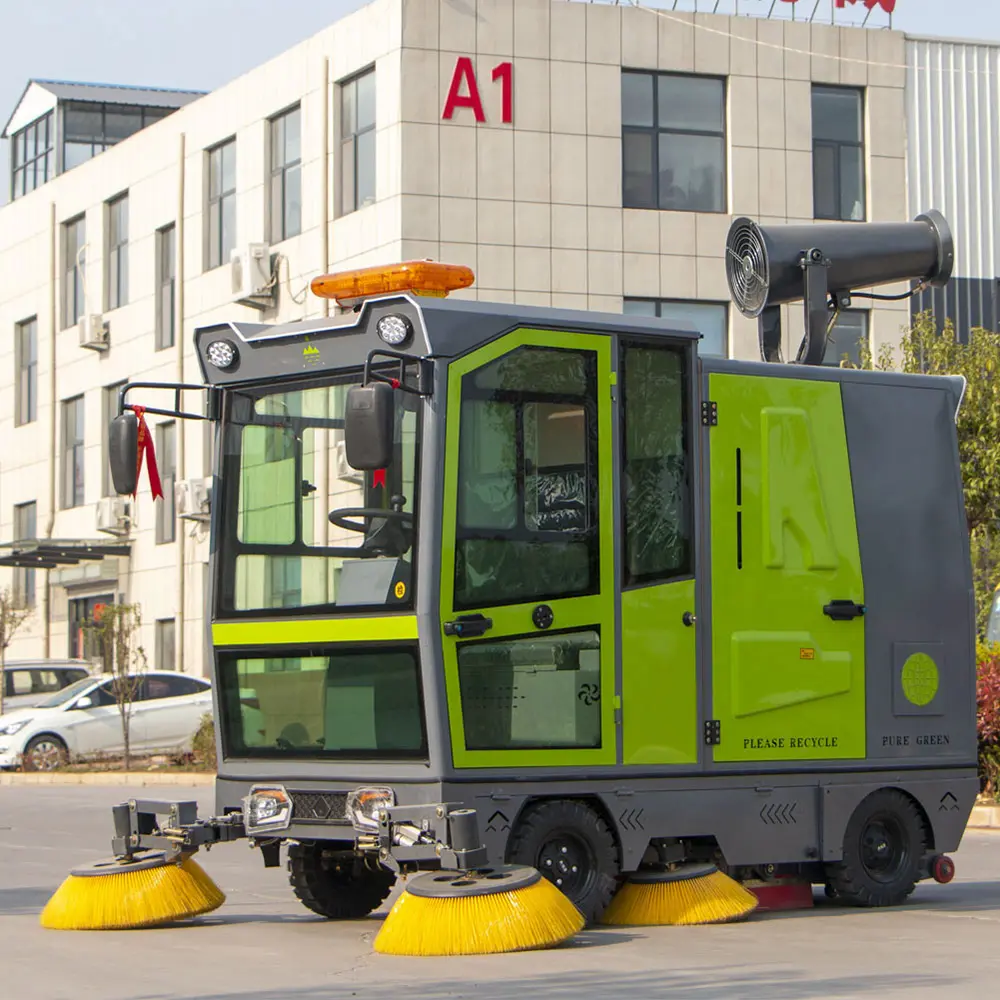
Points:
(203, 744)
(988, 718)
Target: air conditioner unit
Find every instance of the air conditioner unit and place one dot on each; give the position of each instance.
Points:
(194, 499)
(95, 333)
(252, 278)
(114, 516)
(341, 469)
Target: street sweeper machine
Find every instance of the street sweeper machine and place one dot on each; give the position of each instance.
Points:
(500, 591)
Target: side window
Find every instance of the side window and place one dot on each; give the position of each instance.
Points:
(20, 682)
(179, 686)
(158, 687)
(656, 481)
(68, 677)
(527, 503)
(44, 681)
(103, 695)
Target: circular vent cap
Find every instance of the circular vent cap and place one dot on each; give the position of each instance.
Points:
(746, 267)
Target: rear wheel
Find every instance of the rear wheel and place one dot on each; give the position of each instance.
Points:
(884, 845)
(335, 884)
(573, 847)
(44, 752)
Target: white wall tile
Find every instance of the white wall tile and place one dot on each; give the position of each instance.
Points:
(604, 228)
(604, 273)
(532, 100)
(798, 115)
(495, 27)
(531, 28)
(569, 270)
(711, 283)
(743, 46)
(886, 121)
(826, 49)
(640, 231)
(678, 234)
(887, 189)
(496, 266)
(677, 277)
(419, 99)
(742, 111)
(569, 168)
(770, 48)
(568, 32)
(496, 221)
(675, 37)
(419, 217)
(639, 40)
(641, 275)
(532, 224)
(532, 166)
(532, 269)
(771, 113)
(458, 27)
(853, 57)
(604, 34)
(604, 171)
(569, 226)
(711, 45)
(772, 190)
(568, 85)
(798, 45)
(421, 19)
(495, 151)
(419, 153)
(458, 151)
(604, 101)
(458, 220)
(712, 231)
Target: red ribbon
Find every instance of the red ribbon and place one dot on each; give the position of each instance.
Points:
(378, 478)
(145, 447)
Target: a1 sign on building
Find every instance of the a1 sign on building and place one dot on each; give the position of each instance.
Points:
(464, 93)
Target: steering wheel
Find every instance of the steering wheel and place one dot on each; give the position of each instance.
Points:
(340, 517)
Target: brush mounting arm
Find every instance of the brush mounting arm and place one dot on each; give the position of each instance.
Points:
(439, 835)
(138, 828)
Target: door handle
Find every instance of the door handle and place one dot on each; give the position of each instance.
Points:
(844, 611)
(468, 626)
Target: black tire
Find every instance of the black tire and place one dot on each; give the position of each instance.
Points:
(570, 844)
(44, 752)
(884, 846)
(335, 884)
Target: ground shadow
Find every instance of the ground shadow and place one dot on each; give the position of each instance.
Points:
(23, 902)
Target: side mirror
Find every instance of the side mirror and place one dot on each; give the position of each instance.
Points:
(123, 444)
(368, 426)
(85, 702)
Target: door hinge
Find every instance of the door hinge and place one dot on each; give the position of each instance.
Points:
(713, 732)
(709, 413)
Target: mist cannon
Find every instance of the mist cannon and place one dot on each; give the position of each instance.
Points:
(823, 264)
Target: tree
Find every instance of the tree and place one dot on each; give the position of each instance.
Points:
(13, 615)
(117, 630)
(926, 349)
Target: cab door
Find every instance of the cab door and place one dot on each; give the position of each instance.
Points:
(527, 579)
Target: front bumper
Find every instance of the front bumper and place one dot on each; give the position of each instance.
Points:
(10, 756)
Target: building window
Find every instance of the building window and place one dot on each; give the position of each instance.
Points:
(166, 460)
(72, 451)
(109, 410)
(847, 338)
(90, 128)
(710, 319)
(838, 154)
(26, 387)
(221, 203)
(117, 270)
(74, 241)
(357, 142)
(166, 276)
(32, 157)
(84, 639)
(673, 142)
(166, 656)
(25, 529)
(286, 175)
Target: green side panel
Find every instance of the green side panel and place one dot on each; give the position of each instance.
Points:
(587, 612)
(659, 676)
(788, 682)
(374, 628)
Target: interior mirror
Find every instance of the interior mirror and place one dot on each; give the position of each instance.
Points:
(85, 702)
(368, 426)
(123, 445)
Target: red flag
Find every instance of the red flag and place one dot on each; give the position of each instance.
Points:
(145, 447)
(887, 5)
(378, 478)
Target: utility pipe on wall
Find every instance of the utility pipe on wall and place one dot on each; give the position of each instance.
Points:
(179, 616)
(53, 437)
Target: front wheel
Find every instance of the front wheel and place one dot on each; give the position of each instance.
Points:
(573, 847)
(334, 884)
(44, 753)
(884, 845)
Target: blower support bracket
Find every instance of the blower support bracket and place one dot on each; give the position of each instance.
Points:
(815, 266)
(137, 828)
(439, 835)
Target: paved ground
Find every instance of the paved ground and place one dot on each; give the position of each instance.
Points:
(262, 945)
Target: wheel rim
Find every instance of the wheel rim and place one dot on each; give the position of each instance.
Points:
(884, 851)
(45, 755)
(567, 860)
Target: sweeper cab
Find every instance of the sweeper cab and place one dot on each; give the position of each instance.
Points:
(497, 585)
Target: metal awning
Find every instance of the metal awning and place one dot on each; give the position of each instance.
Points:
(48, 553)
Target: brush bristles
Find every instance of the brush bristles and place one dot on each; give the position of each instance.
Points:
(710, 899)
(144, 898)
(538, 916)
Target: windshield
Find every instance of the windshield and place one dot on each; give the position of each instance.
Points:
(66, 694)
(301, 528)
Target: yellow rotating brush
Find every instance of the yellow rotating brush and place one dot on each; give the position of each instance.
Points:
(688, 894)
(482, 912)
(147, 892)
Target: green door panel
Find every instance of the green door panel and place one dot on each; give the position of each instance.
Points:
(788, 682)
(520, 695)
(659, 678)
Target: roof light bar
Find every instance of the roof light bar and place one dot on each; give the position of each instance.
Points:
(421, 277)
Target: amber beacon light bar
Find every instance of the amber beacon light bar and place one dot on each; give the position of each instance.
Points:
(421, 277)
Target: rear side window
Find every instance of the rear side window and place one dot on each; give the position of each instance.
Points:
(19, 682)
(45, 681)
(72, 674)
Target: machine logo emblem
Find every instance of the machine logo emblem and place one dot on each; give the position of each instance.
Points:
(400, 590)
(310, 354)
(920, 679)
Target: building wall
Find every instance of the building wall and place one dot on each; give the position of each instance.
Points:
(534, 206)
(953, 119)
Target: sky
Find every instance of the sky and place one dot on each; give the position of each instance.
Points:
(202, 44)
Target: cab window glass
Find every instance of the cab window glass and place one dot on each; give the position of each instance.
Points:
(527, 494)
(44, 681)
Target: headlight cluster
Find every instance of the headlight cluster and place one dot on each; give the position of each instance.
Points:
(364, 805)
(13, 727)
(267, 808)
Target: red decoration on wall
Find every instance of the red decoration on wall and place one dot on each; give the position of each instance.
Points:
(464, 73)
(464, 91)
(887, 5)
(145, 448)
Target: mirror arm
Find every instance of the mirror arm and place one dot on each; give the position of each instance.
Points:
(213, 408)
(425, 383)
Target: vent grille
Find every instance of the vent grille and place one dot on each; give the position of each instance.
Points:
(747, 268)
(319, 807)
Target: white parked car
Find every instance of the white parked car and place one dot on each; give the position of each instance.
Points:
(83, 720)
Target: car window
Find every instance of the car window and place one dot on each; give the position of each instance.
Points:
(66, 694)
(45, 681)
(73, 674)
(184, 686)
(103, 695)
(21, 681)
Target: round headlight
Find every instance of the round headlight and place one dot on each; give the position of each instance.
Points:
(394, 330)
(221, 353)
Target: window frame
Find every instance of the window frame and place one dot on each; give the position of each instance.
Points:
(74, 271)
(74, 453)
(866, 334)
(658, 314)
(837, 145)
(25, 593)
(349, 205)
(166, 433)
(166, 627)
(21, 163)
(278, 172)
(26, 395)
(216, 204)
(116, 270)
(656, 130)
(166, 286)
